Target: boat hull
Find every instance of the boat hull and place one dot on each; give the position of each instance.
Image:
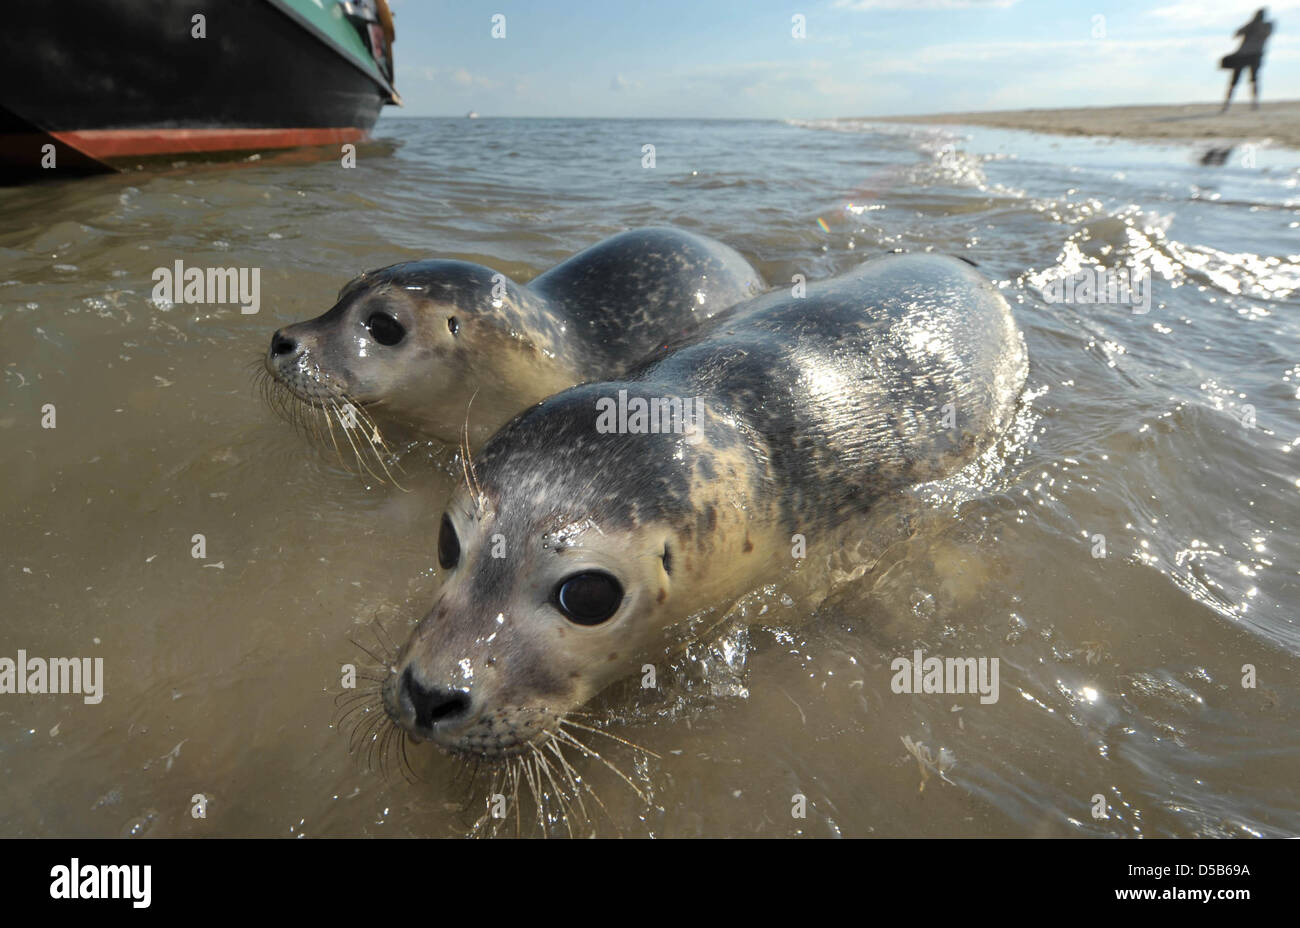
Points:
(114, 79)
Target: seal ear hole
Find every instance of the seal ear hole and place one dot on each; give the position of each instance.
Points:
(385, 329)
(448, 544)
(453, 325)
(588, 598)
(667, 559)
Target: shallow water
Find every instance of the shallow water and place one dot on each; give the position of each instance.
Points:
(1170, 433)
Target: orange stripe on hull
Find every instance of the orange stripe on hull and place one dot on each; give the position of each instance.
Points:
(125, 143)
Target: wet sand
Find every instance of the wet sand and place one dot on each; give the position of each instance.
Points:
(1278, 123)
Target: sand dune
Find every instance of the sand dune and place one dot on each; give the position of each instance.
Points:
(1278, 123)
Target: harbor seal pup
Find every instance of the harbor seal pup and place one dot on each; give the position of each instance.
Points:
(572, 550)
(413, 343)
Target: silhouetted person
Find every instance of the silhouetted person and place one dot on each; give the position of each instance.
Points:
(1250, 55)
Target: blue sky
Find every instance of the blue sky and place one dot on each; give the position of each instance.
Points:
(726, 58)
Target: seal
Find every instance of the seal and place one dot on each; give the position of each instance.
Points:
(575, 550)
(413, 343)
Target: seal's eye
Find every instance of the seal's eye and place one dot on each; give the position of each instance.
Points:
(385, 329)
(448, 545)
(453, 325)
(588, 598)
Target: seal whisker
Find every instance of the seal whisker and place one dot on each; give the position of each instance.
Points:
(534, 787)
(567, 770)
(466, 801)
(310, 416)
(569, 739)
(473, 779)
(369, 730)
(376, 756)
(379, 746)
(361, 731)
(377, 448)
(481, 823)
(384, 639)
(388, 757)
(351, 720)
(381, 661)
(368, 694)
(362, 697)
(598, 731)
(371, 696)
(391, 749)
(576, 784)
(363, 466)
(565, 810)
(461, 776)
(467, 467)
(514, 798)
(347, 433)
(566, 807)
(509, 783)
(559, 792)
(385, 743)
(403, 741)
(285, 403)
(467, 462)
(376, 436)
(497, 786)
(372, 740)
(349, 695)
(541, 799)
(374, 441)
(522, 776)
(333, 441)
(343, 721)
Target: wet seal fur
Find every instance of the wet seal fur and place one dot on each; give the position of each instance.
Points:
(813, 409)
(465, 331)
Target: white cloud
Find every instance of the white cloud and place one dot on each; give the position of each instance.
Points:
(812, 80)
(456, 78)
(464, 78)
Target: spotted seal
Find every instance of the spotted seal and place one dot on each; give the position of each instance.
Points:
(573, 550)
(413, 343)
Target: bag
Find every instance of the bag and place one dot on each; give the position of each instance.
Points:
(1234, 61)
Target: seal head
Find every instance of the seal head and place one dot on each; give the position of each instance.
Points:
(419, 343)
(417, 340)
(561, 570)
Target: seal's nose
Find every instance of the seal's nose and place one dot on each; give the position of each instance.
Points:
(432, 704)
(282, 344)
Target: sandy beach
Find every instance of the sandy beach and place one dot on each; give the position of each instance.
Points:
(1278, 122)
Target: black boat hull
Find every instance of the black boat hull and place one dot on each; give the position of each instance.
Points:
(125, 78)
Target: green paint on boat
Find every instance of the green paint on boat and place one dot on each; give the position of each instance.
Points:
(328, 18)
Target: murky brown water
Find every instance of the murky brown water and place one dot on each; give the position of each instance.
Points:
(1171, 434)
